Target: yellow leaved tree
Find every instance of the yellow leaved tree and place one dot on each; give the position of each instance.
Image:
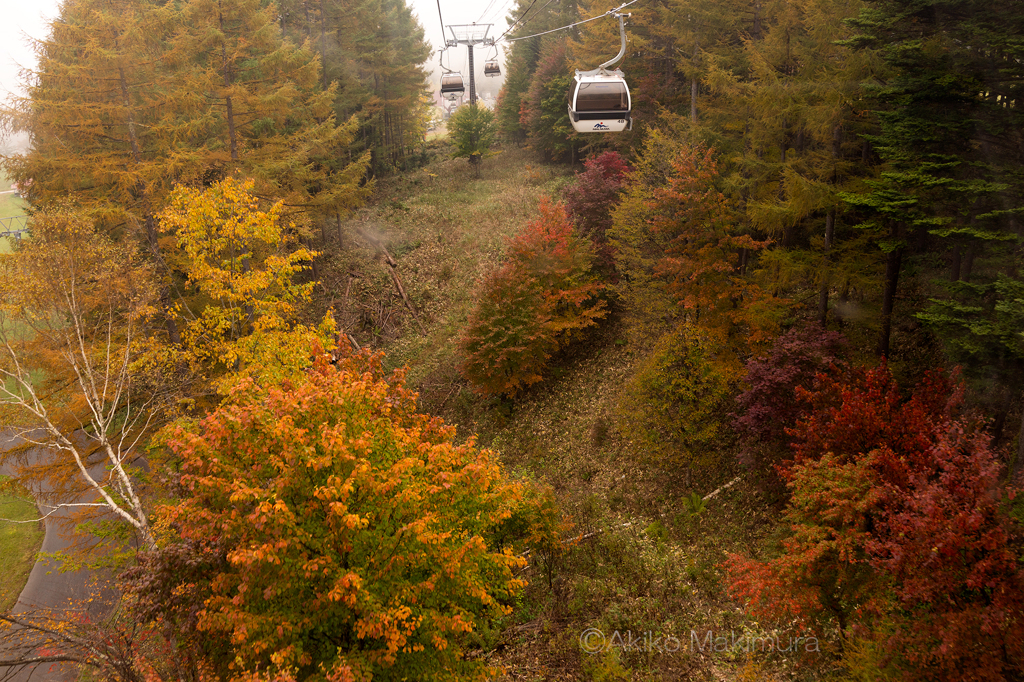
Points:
(240, 304)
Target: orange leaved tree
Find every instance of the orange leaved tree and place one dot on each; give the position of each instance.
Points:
(328, 531)
(543, 294)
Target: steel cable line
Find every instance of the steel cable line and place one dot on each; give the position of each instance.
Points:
(535, 15)
(517, 21)
(486, 10)
(441, 19)
(578, 23)
(501, 9)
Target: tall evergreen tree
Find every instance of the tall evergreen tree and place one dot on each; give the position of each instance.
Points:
(258, 99)
(97, 109)
(951, 139)
(374, 51)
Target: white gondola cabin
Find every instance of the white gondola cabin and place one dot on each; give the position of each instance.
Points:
(491, 68)
(600, 103)
(452, 86)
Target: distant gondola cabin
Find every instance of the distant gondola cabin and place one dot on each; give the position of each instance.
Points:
(452, 86)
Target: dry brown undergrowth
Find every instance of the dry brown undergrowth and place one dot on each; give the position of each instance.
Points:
(649, 563)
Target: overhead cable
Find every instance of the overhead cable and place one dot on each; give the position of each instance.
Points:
(441, 19)
(486, 10)
(516, 22)
(563, 28)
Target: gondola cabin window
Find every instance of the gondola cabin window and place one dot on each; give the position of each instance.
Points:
(611, 96)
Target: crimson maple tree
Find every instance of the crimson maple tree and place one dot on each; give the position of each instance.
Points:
(770, 406)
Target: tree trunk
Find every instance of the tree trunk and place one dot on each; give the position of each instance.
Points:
(968, 264)
(148, 220)
(230, 115)
(892, 277)
(1015, 468)
(323, 47)
(830, 230)
(693, 100)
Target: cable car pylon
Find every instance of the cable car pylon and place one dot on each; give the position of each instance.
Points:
(470, 35)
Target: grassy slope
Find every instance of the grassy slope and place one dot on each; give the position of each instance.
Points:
(19, 544)
(654, 566)
(10, 205)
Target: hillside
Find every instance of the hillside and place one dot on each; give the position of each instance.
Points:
(640, 557)
(730, 393)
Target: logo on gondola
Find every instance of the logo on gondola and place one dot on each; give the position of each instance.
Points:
(601, 126)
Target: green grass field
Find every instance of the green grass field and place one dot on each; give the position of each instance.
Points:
(19, 544)
(10, 204)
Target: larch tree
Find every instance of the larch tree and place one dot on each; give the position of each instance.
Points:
(133, 97)
(374, 51)
(96, 109)
(794, 144)
(258, 99)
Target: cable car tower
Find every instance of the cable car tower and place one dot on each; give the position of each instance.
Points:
(470, 35)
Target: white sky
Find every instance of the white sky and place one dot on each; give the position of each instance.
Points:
(20, 17)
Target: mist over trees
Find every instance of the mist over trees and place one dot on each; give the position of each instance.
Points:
(809, 244)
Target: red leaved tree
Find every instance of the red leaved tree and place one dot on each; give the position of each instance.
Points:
(770, 406)
(952, 556)
(533, 305)
(864, 412)
(897, 535)
(590, 198)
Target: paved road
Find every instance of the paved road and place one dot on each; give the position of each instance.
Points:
(47, 588)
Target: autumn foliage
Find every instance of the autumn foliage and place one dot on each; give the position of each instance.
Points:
(592, 195)
(704, 247)
(532, 306)
(335, 533)
(673, 407)
(776, 387)
(897, 534)
(242, 293)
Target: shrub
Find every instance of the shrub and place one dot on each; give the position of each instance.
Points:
(332, 532)
(532, 306)
(673, 406)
